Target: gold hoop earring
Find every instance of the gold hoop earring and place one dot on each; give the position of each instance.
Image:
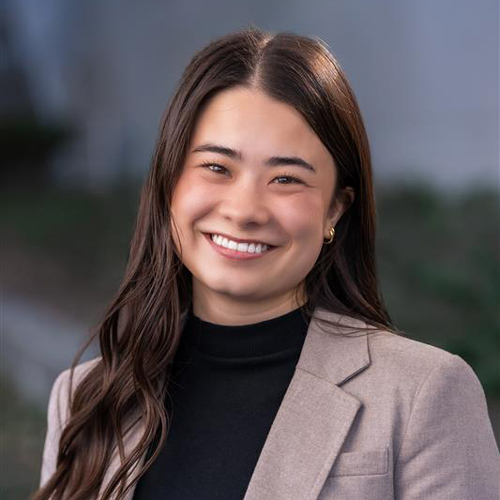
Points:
(332, 234)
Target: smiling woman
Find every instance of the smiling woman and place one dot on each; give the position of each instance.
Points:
(242, 201)
(248, 352)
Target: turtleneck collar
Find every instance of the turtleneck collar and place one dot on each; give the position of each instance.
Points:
(263, 338)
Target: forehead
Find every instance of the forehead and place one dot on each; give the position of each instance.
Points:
(258, 125)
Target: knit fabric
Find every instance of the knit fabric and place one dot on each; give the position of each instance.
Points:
(227, 385)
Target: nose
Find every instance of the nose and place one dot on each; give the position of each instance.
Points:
(244, 204)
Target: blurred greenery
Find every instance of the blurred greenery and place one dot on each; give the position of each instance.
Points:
(23, 427)
(58, 240)
(439, 264)
(438, 259)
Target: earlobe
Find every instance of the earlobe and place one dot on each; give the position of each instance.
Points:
(330, 223)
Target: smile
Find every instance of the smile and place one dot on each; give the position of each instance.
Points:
(237, 251)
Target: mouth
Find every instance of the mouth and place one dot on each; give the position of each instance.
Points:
(246, 251)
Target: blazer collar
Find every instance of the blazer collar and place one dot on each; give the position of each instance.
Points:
(314, 417)
(334, 352)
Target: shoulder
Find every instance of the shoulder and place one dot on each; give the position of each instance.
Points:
(372, 361)
(61, 389)
(414, 375)
(80, 371)
(382, 359)
(57, 414)
(434, 396)
(440, 416)
(413, 360)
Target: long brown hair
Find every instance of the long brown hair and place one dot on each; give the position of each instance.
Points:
(140, 331)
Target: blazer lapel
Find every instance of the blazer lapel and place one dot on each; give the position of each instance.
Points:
(315, 415)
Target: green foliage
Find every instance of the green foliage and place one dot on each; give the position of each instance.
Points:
(56, 241)
(23, 429)
(439, 265)
(438, 258)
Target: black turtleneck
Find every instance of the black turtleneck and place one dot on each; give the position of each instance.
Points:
(227, 385)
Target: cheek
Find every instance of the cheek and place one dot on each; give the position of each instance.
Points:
(303, 218)
(183, 209)
(190, 200)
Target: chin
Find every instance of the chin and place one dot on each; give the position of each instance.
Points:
(231, 291)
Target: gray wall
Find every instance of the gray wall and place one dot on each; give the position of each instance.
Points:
(426, 73)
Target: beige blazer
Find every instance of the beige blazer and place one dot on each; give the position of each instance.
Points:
(375, 417)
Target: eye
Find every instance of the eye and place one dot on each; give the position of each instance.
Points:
(290, 177)
(208, 165)
(216, 168)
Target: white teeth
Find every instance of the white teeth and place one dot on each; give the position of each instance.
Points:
(240, 247)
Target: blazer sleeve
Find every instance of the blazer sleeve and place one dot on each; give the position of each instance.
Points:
(448, 449)
(56, 413)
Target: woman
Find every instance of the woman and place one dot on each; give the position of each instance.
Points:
(250, 325)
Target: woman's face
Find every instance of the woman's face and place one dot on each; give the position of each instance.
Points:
(254, 171)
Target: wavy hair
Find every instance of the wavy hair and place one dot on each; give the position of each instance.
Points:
(140, 329)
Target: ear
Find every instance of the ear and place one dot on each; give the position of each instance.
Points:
(340, 206)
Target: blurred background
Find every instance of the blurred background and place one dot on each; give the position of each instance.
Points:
(83, 86)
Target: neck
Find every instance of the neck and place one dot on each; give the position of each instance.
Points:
(225, 309)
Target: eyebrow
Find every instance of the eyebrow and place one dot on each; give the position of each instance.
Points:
(273, 161)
